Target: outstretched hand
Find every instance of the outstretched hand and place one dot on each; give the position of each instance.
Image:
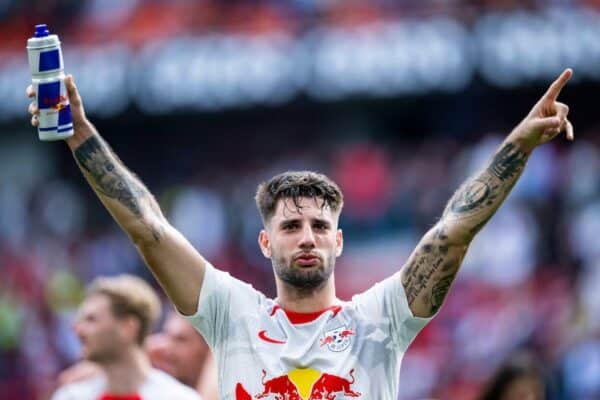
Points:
(77, 111)
(547, 118)
(82, 127)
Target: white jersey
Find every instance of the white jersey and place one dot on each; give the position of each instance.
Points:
(158, 386)
(350, 350)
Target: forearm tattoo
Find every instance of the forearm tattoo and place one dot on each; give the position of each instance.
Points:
(434, 264)
(477, 200)
(111, 179)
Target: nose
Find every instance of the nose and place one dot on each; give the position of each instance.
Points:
(308, 238)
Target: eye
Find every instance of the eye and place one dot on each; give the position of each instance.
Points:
(320, 225)
(290, 226)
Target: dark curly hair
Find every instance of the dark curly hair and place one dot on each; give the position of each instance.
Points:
(294, 185)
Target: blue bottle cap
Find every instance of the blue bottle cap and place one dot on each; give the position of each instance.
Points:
(41, 30)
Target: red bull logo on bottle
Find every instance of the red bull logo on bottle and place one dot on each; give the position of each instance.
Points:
(48, 81)
(301, 384)
(53, 102)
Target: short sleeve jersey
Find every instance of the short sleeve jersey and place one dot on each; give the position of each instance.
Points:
(350, 350)
(158, 386)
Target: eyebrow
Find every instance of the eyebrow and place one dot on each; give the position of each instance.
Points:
(297, 220)
(289, 221)
(321, 220)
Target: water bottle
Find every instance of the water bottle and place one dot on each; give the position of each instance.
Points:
(48, 79)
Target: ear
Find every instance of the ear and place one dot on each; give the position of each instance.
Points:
(130, 327)
(339, 243)
(264, 243)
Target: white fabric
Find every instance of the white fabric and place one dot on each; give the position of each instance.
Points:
(315, 360)
(158, 386)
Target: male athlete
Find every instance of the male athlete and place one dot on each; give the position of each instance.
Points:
(112, 324)
(306, 343)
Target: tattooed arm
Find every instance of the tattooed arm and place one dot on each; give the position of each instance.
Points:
(178, 267)
(431, 268)
(435, 262)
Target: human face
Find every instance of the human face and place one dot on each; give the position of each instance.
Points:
(185, 350)
(302, 242)
(99, 331)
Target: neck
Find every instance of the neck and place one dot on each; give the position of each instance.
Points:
(306, 300)
(126, 374)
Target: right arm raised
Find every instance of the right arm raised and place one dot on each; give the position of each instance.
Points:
(177, 266)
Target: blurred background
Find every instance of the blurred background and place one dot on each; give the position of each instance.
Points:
(398, 100)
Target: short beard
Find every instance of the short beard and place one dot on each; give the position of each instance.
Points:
(101, 358)
(303, 281)
(104, 357)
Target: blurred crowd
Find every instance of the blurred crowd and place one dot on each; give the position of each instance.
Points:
(529, 281)
(134, 21)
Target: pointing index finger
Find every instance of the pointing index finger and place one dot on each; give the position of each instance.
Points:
(554, 89)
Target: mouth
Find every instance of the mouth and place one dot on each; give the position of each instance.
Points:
(307, 260)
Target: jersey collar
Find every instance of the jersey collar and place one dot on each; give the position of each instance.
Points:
(302, 318)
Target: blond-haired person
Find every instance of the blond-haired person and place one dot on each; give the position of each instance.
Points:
(112, 325)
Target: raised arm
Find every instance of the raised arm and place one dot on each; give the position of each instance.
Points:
(431, 268)
(177, 266)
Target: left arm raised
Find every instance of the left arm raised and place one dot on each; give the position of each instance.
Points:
(431, 268)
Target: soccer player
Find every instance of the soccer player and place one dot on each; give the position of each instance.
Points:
(306, 343)
(112, 324)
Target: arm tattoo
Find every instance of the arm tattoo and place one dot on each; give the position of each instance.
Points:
(108, 178)
(508, 162)
(112, 180)
(429, 260)
(434, 264)
(439, 291)
(477, 200)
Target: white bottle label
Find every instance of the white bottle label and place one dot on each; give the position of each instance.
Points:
(46, 64)
(55, 120)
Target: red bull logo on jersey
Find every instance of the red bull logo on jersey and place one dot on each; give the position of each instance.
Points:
(337, 339)
(278, 387)
(302, 384)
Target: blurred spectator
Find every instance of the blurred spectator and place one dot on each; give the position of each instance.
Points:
(520, 378)
(112, 325)
(180, 351)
